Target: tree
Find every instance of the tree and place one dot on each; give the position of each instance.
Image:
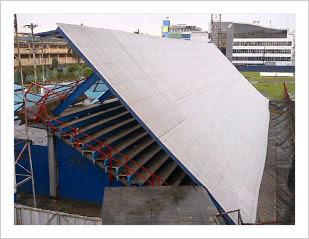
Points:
(87, 71)
(73, 68)
(54, 65)
(27, 70)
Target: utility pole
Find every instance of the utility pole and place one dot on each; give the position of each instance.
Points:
(31, 27)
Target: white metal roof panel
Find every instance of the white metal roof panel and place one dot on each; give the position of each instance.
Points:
(193, 101)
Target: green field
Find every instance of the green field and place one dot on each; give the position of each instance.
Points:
(272, 87)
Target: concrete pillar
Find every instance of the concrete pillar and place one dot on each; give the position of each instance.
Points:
(52, 165)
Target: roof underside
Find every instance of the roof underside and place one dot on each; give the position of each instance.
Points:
(193, 101)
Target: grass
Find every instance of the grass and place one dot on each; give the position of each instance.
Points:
(256, 76)
(272, 87)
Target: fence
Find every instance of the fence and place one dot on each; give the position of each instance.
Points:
(24, 215)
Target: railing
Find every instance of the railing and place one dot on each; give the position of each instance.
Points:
(110, 154)
(240, 220)
(288, 103)
(221, 214)
(24, 215)
(57, 92)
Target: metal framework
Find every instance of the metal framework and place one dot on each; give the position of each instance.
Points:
(34, 216)
(55, 125)
(28, 173)
(105, 96)
(70, 99)
(239, 218)
(288, 103)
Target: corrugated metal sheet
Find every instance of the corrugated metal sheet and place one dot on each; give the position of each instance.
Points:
(24, 215)
(193, 101)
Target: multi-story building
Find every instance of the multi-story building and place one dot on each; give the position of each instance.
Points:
(248, 44)
(179, 31)
(45, 49)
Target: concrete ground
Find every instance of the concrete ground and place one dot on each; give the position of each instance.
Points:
(167, 205)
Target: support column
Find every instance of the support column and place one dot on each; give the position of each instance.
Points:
(52, 165)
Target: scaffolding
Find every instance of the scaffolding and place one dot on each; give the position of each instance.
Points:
(24, 175)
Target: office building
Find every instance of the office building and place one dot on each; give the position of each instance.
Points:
(250, 44)
(46, 49)
(179, 31)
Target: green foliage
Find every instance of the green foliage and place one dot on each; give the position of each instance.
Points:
(270, 86)
(256, 76)
(27, 70)
(87, 71)
(55, 63)
(60, 75)
(73, 68)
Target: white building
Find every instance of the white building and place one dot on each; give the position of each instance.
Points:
(263, 51)
(251, 44)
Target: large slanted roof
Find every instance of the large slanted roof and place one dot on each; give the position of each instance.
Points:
(193, 101)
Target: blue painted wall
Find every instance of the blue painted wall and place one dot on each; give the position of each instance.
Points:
(79, 178)
(40, 169)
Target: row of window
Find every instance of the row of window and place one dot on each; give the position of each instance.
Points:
(262, 43)
(246, 58)
(177, 29)
(26, 45)
(249, 64)
(271, 51)
(44, 56)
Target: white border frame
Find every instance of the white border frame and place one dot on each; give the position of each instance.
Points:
(9, 230)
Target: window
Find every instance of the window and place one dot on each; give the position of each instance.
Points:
(269, 51)
(260, 58)
(263, 43)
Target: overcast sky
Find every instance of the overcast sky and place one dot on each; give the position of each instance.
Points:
(148, 23)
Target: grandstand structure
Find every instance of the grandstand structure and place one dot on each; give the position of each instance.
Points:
(159, 124)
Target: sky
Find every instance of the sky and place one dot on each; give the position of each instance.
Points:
(148, 23)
